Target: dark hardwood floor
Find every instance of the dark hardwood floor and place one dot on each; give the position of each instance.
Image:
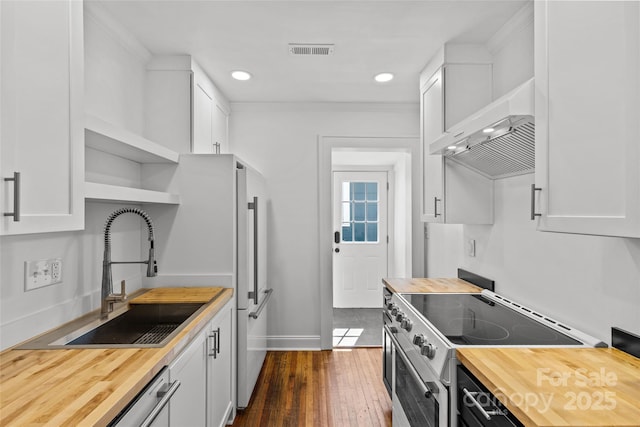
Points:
(338, 388)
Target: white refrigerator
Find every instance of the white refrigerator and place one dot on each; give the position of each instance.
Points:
(217, 236)
(253, 293)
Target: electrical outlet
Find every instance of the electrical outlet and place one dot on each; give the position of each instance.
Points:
(43, 272)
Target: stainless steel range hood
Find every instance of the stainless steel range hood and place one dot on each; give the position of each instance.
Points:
(499, 140)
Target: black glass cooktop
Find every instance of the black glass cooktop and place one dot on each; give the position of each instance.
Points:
(467, 319)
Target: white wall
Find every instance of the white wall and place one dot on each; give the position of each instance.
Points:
(281, 141)
(114, 71)
(114, 76)
(444, 250)
(589, 282)
(402, 248)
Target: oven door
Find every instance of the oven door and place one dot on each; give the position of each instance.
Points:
(419, 399)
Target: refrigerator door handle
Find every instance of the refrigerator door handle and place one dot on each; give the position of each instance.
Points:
(254, 206)
(256, 314)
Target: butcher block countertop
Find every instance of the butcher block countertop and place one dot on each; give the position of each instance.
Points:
(86, 387)
(561, 386)
(435, 285)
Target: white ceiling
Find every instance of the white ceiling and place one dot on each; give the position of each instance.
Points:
(369, 36)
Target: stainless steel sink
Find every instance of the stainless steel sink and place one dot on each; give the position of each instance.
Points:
(144, 325)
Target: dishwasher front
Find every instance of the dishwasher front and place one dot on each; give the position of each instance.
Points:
(150, 407)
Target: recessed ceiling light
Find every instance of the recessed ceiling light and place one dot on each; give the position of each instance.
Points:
(383, 77)
(488, 130)
(240, 75)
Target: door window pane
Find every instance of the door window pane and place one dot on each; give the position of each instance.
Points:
(358, 232)
(372, 232)
(347, 233)
(360, 212)
(358, 190)
(372, 191)
(372, 211)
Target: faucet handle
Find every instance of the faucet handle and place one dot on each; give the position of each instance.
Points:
(123, 293)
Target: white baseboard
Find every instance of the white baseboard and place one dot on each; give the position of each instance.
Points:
(293, 342)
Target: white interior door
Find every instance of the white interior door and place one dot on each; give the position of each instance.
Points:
(360, 238)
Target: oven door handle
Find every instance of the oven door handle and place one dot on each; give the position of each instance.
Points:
(471, 395)
(428, 392)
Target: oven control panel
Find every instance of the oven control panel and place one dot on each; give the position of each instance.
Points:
(425, 341)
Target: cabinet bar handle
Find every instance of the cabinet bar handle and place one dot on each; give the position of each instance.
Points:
(533, 201)
(471, 395)
(164, 396)
(256, 314)
(16, 197)
(435, 207)
(214, 350)
(254, 206)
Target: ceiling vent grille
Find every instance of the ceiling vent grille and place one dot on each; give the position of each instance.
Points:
(299, 49)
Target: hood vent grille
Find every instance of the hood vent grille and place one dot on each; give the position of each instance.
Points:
(300, 49)
(501, 157)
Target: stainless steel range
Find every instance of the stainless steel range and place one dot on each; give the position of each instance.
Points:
(426, 329)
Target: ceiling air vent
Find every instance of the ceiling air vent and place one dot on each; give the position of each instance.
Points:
(301, 49)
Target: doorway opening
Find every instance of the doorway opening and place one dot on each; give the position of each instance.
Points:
(401, 157)
(370, 188)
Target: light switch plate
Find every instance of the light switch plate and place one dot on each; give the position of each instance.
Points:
(42, 272)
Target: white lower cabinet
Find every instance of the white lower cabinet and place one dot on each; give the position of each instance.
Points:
(188, 405)
(219, 368)
(204, 369)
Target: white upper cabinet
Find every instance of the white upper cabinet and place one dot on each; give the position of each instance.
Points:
(42, 117)
(203, 105)
(587, 75)
(185, 111)
(455, 84)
